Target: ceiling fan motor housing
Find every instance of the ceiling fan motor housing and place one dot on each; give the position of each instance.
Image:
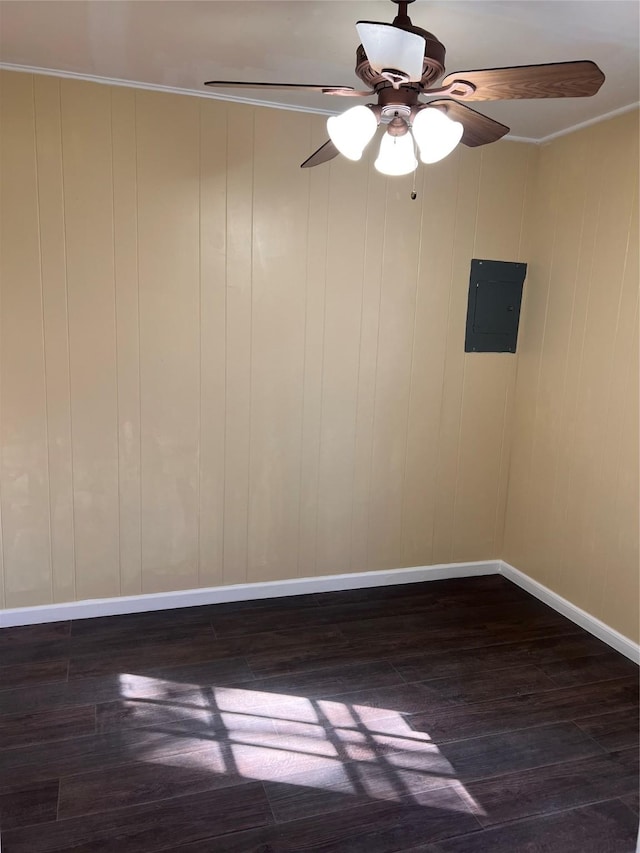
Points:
(405, 68)
(432, 65)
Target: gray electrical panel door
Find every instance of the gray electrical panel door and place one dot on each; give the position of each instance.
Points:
(493, 313)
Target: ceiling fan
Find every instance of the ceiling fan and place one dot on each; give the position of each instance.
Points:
(400, 62)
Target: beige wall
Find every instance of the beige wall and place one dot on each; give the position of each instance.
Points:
(218, 368)
(572, 514)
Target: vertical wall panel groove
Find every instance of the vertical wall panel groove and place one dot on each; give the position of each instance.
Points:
(213, 231)
(92, 336)
(488, 376)
(448, 435)
(524, 254)
(545, 253)
(359, 370)
(581, 450)
(47, 475)
(434, 268)
(366, 522)
(24, 452)
(393, 373)
(277, 346)
(574, 465)
(305, 355)
(199, 336)
(403, 559)
(371, 293)
(56, 335)
(251, 371)
(115, 323)
(138, 354)
(346, 235)
(240, 130)
(125, 203)
(68, 348)
(168, 240)
(318, 188)
(453, 476)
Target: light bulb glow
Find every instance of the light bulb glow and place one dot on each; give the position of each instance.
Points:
(396, 156)
(351, 131)
(436, 134)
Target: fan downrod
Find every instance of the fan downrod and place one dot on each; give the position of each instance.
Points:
(402, 17)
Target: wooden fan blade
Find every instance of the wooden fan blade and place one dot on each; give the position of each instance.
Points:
(326, 152)
(478, 129)
(555, 80)
(345, 91)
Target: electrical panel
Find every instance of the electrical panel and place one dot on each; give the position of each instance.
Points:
(493, 312)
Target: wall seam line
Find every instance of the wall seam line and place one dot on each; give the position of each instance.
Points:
(199, 447)
(584, 337)
(226, 343)
(44, 334)
(464, 379)
(322, 374)
(251, 294)
(410, 396)
(117, 353)
(303, 396)
(357, 400)
(552, 260)
(524, 236)
(634, 203)
(68, 331)
(375, 377)
(140, 468)
(446, 357)
(554, 497)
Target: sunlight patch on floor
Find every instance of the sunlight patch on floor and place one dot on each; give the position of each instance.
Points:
(273, 737)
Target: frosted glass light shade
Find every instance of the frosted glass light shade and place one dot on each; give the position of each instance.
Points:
(351, 131)
(387, 46)
(396, 156)
(436, 134)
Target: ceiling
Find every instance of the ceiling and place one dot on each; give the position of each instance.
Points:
(179, 43)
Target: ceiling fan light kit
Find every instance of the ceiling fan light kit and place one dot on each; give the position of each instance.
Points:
(435, 134)
(352, 131)
(400, 63)
(396, 155)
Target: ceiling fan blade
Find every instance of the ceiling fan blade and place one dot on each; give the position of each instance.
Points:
(326, 152)
(554, 80)
(478, 129)
(347, 91)
(389, 47)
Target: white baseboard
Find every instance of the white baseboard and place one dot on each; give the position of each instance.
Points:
(326, 583)
(594, 626)
(240, 592)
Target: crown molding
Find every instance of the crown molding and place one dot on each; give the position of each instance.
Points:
(509, 137)
(605, 117)
(157, 87)
(276, 105)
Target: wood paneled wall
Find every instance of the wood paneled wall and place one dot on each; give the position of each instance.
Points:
(217, 367)
(572, 515)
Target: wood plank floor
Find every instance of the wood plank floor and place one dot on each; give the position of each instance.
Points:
(455, 716)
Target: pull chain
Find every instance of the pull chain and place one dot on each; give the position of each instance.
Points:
(414, 194)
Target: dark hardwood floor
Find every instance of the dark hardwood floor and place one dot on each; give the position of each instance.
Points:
(450, 717)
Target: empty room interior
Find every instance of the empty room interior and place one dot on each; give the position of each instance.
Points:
(319, 436)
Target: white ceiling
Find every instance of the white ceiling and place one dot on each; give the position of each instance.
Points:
(179, 43)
